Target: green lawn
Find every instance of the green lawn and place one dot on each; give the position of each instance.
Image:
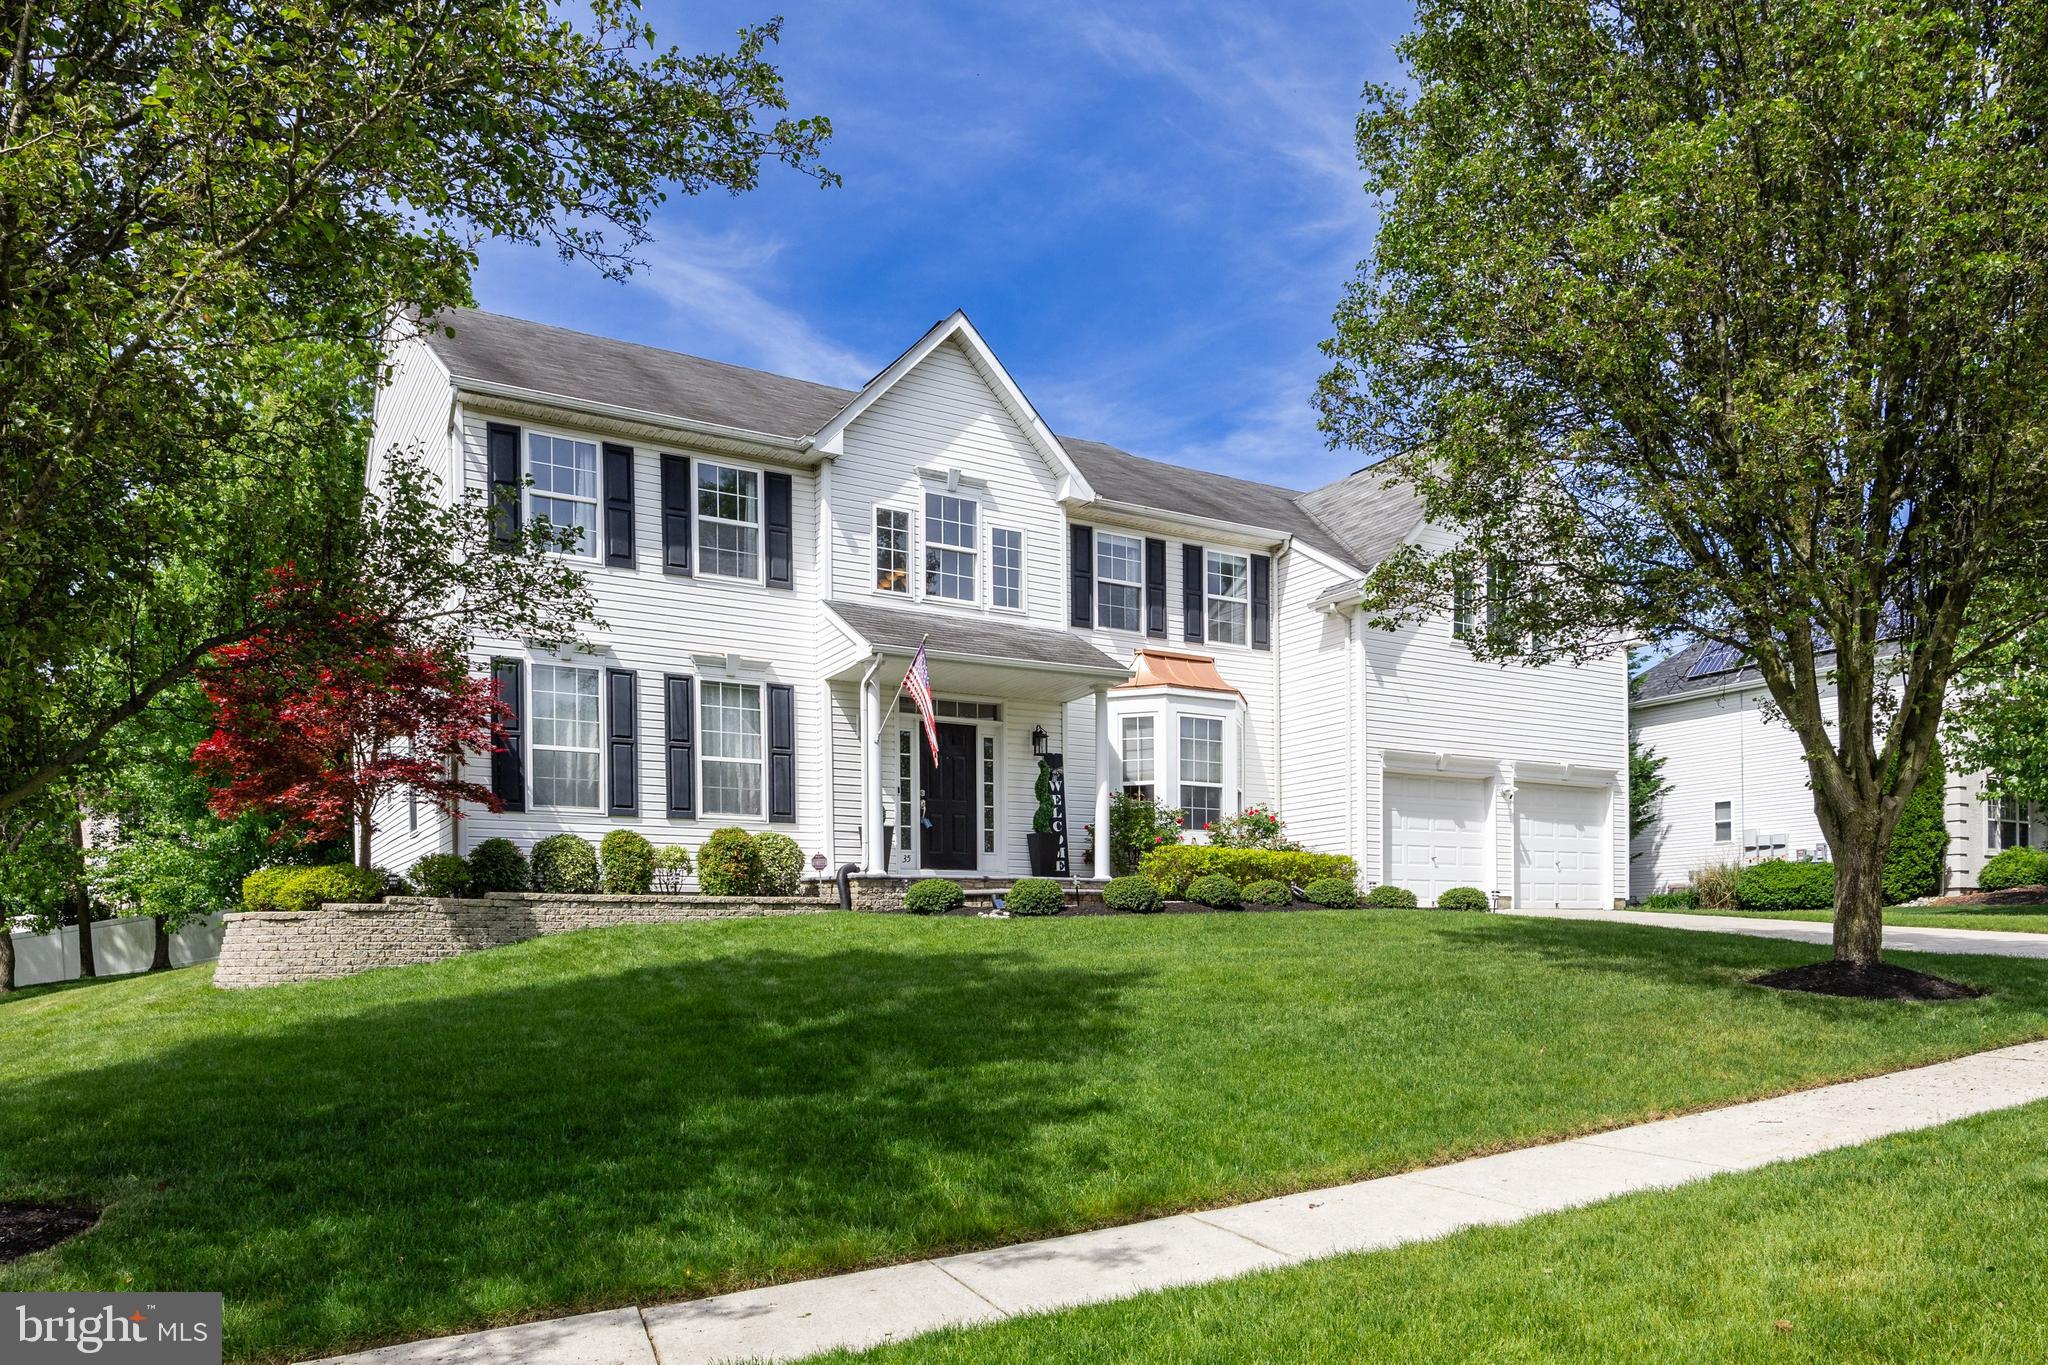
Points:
(2019, 919)
(637, 1115)
(1928, 1246)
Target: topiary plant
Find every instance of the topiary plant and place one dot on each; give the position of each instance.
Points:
(1464, 898)
(1041, 818)
(1132, 896)
(671, 865)
(1269, 892)
(2002, 872)
(496, 865)
(781, 861)
(1379, 898)
(1216, 891)
(933, 896)
(1036, 896)
(441, 874)
(564, 864)
(727, 865)
(628, 862)
(1918, 854)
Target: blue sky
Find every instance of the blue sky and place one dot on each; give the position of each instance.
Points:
(1148, 210)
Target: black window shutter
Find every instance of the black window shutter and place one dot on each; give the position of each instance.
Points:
(618, 505)
(781, 753)
(1191, 571)
(501, 448)
(675, 514)
(775, 508)
(1081, 576)
(681, 740)
(622, 740)
(1155, 588)
(1262, 601)
(508, 758)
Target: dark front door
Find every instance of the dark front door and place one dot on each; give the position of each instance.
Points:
(949, 799)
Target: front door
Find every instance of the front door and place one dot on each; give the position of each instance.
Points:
(949, 811)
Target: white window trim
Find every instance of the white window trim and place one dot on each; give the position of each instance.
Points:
(534, 746)
(912, 578)
(529, 490)
(698, 464)
(704, 755)
(1995, 817)
(1715, 817)
(1224, 803)
(1023, 607)
(1096, 577)
(921, 543)
(1123, 763)
(1208, 626)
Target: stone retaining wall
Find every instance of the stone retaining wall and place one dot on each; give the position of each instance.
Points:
(273, 947)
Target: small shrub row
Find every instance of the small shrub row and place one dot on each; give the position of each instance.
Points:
(307, 888)
(933, 896)
(1389, 897)
(1216, 891)
(1687, 899)
(1036, 896)
(1336, 893)
(1269, 892)
(2014, 867)
(1133, 895)
(1173, 869)
(1780, 884)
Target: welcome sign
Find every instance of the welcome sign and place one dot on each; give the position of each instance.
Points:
(159, 1329)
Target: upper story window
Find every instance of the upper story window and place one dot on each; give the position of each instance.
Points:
(1006, 579)
(1137, 756)
(951, 537)
(1201, 769)
(1464, 605)
(2009, 826)
(892, 550)
(1228, 590)
(731, 721)
(728, 521)
(1724, 821)
(565, 485)
(1119, 581)
(565, 737)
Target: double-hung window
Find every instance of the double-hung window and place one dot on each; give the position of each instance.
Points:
(1464, 605)
(951, 538)
(731, 722)
(565, 737)
(1119, 580)
(1228, 590)
(565, 486)
(1201, 769)
(728, 521)
(2010, 826)
(892, 549)
(1006, 565)
(1137, 756)
(1724, 821)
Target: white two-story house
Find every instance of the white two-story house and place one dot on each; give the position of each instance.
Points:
(768, 553)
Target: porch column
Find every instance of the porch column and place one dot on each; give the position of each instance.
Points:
(871, 775)
(1105, 765)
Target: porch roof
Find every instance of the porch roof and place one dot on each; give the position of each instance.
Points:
(967, 640)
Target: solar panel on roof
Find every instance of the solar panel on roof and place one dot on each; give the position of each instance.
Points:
(1718, 658)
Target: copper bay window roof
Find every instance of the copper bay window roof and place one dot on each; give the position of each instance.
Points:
(1175, 668)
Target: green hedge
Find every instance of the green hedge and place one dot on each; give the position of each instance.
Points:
(933, 896)
(565, 863)
(1464, 898)
(2014, 867)
(781, 862)
(1389, 897)
(1341, 893)
(307, 888)
(628, 862)
(496, 865)
(1216, 891)
(1269, 892)
(1035, 896)
(441, 874)
(1133, 895)
(1782, 885)
(1172, 869)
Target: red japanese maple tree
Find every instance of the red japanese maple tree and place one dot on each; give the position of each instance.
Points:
(318, 720)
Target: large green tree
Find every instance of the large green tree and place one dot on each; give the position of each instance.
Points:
(1727, 322)
(210, 213)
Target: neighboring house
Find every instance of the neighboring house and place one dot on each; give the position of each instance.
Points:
(768, 553)
(1736, 780)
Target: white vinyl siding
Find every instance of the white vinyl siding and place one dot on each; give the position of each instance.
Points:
(1006, 565)
(565, 737)
(564, 491)
(1227, 590)
(892, 550)
(1119, 581)
(730, 720)
(728, 521)
(1201, 770)
(951, 541)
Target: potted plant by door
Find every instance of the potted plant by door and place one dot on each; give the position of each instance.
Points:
(1043, 842)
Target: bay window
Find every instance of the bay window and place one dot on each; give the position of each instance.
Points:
(1137, 756)
(1201, 769)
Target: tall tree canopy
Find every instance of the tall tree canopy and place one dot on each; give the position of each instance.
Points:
(208, 213)
(1723, 321)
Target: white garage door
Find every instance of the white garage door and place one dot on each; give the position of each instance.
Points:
(1436, 834)
(1561, 847)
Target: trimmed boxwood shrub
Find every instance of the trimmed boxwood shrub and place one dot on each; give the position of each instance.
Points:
(781, 862)
(307, 888)
(933, 896)
(1918, 852)
(1687, 899)
(1335, 893)
(1215, 891)
(727, 865)
(564, 863)
(260, 888)
(441, 874)
(671, 864)
(1779, 884)
(627, 863)
(1464, 898)
(1175, 867)
(1035, 896)
(2004, 871)
(1269, 892)
(496, 865)
(1386, 897)
(1133, 895)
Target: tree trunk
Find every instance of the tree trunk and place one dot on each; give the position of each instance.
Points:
(161, 961)
(1859, 901)
(81, 904)
(363, 831)
(6, 955)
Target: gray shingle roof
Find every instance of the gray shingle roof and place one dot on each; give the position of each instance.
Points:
(1119, 476)
(903, 628)
(1667, 677)
(1369, 512)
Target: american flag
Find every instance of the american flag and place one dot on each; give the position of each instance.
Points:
(917, 681)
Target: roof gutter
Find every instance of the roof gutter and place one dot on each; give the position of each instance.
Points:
(518, 393)
(1243, 530)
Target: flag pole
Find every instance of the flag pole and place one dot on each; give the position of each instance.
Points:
(897, 700)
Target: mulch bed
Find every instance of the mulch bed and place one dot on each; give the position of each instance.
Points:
(27, 1228)
(1882, 981)
(2018, 895)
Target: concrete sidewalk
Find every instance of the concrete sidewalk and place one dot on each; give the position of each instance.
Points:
(1984, 942)
(785, 1322)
